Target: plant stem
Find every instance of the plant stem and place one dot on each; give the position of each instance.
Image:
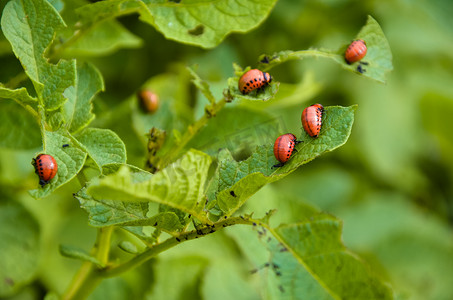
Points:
(88, 276)
(57, 51)
(171, 242)
(282, 57)
(210, 111)
(103, 244)
(84, 282)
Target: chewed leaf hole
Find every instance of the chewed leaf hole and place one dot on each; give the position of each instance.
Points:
(199, 30)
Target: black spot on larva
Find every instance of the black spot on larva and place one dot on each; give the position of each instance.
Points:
(256, 80)
(247, 84)
(251, 81)
(232, 194)
(197, 31)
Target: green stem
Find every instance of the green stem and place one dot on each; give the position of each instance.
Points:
(89, 276)
(312, 53)
(171, 242)
(281, 57)
(210, 111)
(58, 50)
(84, 282)
(103, 244)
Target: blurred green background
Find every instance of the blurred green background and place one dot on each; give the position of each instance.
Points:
(391, 183)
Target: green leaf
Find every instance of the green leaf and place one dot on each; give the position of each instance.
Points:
(247, 128)
(19, 95)
(102, 39)
(18, 128)
(125, 213)
(138, 173)
(118, 288)
(378, 57)
(179, 274)
(103, 146)
(265, 94)
(76, 253)
(95, 13)
(69, 160)
(58, 4)
(51, 296)
(205, 23)
(179, 185)
(78, 109)
(309, 261)
(406, 236)
(237, 181)
(291, 95)
(128, 247)
(30, 25)
(20, 246)
(132, 216)
(201, 23)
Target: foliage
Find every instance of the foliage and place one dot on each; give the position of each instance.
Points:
(133, 189)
